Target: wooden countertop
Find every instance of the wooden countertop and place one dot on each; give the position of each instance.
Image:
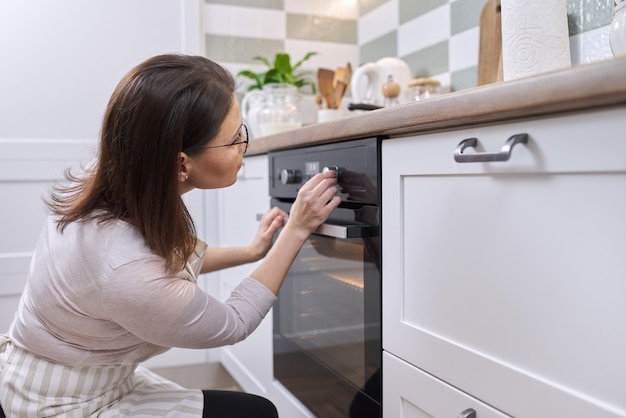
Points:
(587, 86)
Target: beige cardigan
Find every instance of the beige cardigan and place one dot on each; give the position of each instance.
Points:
(97, 295)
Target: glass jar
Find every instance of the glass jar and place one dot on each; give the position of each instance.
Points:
(617, 36)
(251, 105)
(423, 88)
(281, 111)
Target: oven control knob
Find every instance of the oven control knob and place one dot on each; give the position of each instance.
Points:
(290, 176)
(335, 168)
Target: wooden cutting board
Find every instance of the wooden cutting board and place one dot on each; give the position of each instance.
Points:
(490, 46)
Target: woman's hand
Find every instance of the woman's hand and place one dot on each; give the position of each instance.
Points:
(314, 203)
(217, 258)
(269, 224)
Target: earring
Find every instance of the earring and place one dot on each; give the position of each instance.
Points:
(186, 177)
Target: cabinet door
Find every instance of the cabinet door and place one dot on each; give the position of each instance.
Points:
(240, 203)
(409, 392)
(507, 279)
(249, 361)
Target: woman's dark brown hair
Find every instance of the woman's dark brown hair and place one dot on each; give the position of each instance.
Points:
(165, 105)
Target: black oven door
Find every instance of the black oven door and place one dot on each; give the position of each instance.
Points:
(327, 336)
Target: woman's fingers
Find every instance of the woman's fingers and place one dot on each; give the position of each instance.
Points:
(315, 201)
(320, 182)
(276, 219)
(270, 222)
(272, 214)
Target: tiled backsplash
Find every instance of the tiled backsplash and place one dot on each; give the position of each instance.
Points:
(238, 30)
(437, 38)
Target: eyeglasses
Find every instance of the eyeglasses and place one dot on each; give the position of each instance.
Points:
(243, 131)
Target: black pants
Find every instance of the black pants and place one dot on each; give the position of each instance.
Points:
(229, 404)
(223, 404)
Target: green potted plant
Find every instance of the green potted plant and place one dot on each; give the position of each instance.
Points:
(271, 103)
(280, 71)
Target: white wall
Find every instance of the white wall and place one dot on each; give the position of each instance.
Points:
(59, 63)
(61, 59)
(27, 169)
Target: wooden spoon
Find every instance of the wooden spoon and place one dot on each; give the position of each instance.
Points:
(341, 81)
(348, 75)
(338, 93)
(325, 82)
(340, 75)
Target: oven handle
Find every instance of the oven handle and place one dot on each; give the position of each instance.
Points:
(342, 231)
(347, 231)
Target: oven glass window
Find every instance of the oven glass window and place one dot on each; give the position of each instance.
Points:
(323, 308)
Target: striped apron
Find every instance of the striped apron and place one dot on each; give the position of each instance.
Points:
(31, 386)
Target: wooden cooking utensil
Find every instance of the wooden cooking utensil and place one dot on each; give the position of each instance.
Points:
(341, 81)
(338, 93)
(325, 82)
(490, 47)
(339, 72)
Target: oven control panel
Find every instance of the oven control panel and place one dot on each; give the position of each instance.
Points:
(355, 162)
(294, 176)
(290, 176)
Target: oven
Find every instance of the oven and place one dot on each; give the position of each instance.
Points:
(327, 320)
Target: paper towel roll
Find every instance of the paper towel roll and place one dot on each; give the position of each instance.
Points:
(535, 37)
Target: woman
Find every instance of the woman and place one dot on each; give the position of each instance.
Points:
(113, 277)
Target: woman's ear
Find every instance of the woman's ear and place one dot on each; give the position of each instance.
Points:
(184, 163)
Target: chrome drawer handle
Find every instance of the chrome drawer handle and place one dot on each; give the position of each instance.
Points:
(503, 155)
(468, 413)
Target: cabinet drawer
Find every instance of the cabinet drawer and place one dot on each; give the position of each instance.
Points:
(409, 392)
(506, 279)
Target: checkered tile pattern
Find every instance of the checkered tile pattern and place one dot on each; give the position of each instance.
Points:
(437, 38)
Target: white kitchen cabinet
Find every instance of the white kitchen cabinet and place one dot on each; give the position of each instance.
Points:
(250, 361)
(506, 280)
(412, 393)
